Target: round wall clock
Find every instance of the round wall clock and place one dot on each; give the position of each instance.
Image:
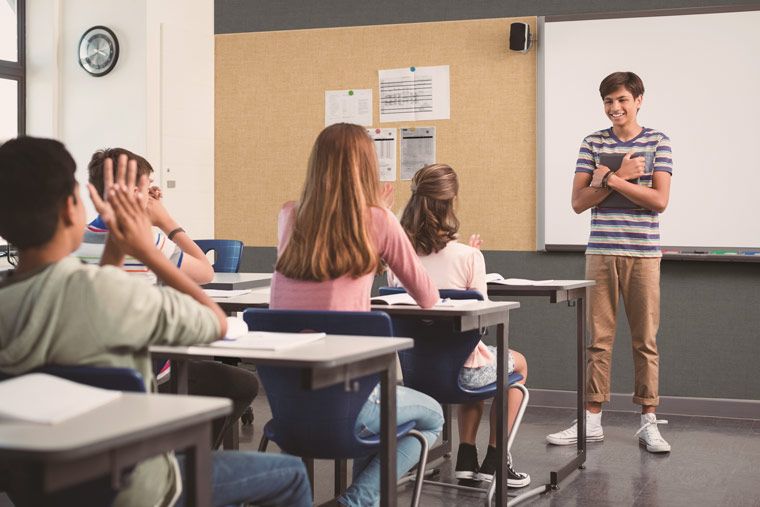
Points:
(98, 51)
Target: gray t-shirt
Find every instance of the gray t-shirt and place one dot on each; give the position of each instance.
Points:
(69, 313)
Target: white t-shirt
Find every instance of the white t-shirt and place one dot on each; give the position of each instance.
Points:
(458, 266)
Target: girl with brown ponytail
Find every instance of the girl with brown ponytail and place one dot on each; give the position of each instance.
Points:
(431, 223)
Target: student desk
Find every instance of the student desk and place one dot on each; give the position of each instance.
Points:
(476, 315)
(114, 437)
(337, 358)
(236, 281)
(257, 298)
(574, 292)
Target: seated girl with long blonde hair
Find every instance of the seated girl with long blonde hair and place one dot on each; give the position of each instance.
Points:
(330, 246)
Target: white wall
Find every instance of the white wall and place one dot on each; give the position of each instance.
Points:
(124, 108)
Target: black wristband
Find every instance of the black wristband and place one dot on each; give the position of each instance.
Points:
(604, 180)
(174, 233)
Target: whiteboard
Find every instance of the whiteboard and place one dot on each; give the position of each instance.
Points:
(701, 75)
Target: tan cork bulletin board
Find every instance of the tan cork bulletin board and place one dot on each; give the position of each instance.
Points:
(270, 89)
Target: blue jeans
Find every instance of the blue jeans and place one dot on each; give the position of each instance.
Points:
(254, 477)
(410, 406)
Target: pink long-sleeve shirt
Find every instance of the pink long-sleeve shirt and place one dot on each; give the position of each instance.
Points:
(347, 293)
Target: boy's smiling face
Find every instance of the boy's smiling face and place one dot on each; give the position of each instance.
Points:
(621, 107)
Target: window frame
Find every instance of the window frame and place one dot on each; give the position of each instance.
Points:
(16, 71)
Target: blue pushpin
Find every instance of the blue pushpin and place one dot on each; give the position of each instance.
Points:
(412, 68)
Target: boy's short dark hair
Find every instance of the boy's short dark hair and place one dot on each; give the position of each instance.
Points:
(629, 80)
(37, 177)
(95, 167)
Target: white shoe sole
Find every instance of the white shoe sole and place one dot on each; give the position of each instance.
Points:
(652, 448)
(567, 441)
(514, 483)
(467, 475)
(511, 483)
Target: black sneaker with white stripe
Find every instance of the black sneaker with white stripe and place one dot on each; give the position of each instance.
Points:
(515, 479)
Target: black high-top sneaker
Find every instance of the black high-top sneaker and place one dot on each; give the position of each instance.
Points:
(515, 479)
(467, 463)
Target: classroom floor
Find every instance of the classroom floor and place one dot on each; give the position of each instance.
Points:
(714, 462)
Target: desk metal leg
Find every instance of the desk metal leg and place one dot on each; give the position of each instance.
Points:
(580, 458)
(198, 469)
(180, 368)
(581, 316)
(388, 434)
(502, 436)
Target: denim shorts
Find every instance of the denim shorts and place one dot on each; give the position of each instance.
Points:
(473, 378)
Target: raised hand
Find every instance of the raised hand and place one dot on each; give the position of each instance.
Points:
(102, 206)
(632, 166)
(158, 214)
(475, 241)
(155, 192)
(127, 220)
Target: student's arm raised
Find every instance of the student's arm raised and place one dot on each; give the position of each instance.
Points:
(129, 230)
(194, 264)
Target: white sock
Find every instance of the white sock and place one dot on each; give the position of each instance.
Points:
(645, 418)
(593, 420)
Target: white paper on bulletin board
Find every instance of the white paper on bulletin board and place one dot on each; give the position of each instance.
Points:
(348, 106)
(415, 93)
(417, 150)
(385, 146)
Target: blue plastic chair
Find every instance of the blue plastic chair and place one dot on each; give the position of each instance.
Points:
(319, 424)
(227, 253)
(115, 379)
(433, 365)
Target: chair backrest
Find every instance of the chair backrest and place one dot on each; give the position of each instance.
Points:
(439, 352)
(115, 379)
(227, 253)
(316, 423)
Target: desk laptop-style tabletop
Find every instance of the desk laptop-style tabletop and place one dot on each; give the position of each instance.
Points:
(257, 298)
(130, 418)
(475, 315)
(557, 291)
(332, 351)
(555, 285)
(237, 281)
(473, 308)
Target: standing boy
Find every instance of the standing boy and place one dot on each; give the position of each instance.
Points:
(623, 253)
(57, 310)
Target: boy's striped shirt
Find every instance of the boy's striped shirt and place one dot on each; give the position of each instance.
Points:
(620, 231)
(93, 244)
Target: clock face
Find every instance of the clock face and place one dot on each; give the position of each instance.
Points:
(98, 51)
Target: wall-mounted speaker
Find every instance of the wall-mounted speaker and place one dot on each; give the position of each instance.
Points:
(519, 37)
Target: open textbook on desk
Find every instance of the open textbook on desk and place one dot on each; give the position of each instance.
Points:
(264, 340)
(498, 279)
(406, 299)
(45, 399)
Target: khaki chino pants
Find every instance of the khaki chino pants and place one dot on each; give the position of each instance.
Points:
(637, 280)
